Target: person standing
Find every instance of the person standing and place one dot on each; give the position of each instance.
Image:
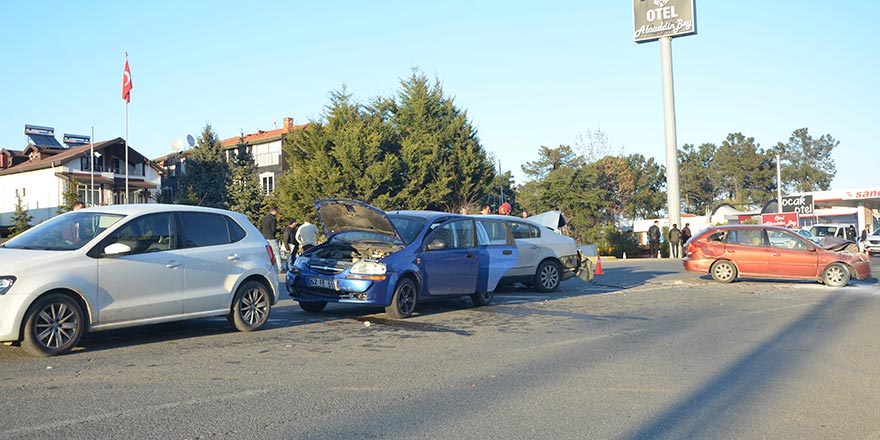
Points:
(685, 233)
(504, 209)
(269, 229)
(654, 238)
(307, 235)
(674, 237)
(863, 240)
(486, 210)
(289, 245)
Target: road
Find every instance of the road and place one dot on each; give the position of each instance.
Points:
(646, 351)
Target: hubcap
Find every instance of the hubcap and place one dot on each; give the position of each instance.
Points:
(254, 306)
(723, 271)
(549, 277)
(56, 325)
(835, 275)
(406, 299)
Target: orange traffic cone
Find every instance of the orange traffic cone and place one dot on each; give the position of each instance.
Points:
(598, 266)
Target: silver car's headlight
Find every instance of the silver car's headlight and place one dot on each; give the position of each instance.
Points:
(368, 268)
(6, 284)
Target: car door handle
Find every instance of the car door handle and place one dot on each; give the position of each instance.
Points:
(470, 255)
(173, 264)
(731, 251)
(775, 254)
(507, 252)
(233, 257)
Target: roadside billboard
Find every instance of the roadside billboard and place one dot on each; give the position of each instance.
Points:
(653, 19)
(787, 219)
(802, 205)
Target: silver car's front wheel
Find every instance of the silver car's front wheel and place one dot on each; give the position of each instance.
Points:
(53, 325)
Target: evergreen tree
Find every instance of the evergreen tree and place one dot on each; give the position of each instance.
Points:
(70, 196)
(244, 192)
(807, 163)
(551, 159)
(698, 187)
(745, 173)
(207, 173)
(21, 220)
(352, 155)
(443, 164)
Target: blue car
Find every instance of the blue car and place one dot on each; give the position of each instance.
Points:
(399, 259)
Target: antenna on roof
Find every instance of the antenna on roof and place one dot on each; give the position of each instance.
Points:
(190, 140)
(177, 145)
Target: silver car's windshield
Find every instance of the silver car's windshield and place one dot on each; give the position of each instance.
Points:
(65, 232)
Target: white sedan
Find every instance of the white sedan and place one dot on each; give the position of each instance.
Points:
(546, 258)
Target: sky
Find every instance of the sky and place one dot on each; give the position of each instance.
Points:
(529, 74)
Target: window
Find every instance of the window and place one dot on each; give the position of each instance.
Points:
(207, 229)
(268, 182)
(455, 235)
(493, 232)
(408, 227)
(524, 230)
(149, 233)
(784, 240)
(746, 237)
(84, 163)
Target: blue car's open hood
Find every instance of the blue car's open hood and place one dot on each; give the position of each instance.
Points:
(342, 215)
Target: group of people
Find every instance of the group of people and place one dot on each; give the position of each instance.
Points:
(862, 239)
(503, 209)
(295, 238)
(676, 237)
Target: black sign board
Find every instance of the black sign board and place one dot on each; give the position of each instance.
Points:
(802, 205)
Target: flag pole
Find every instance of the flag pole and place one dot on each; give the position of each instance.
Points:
(92, 169)
(126, 141)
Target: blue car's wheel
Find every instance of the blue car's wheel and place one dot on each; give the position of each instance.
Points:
(404, 301)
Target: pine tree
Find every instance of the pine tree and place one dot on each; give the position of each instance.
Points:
(20, 219)
(70, 195)
(245, 194)
(207, 173)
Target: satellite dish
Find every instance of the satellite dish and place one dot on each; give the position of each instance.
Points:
(190, 140)
(177, 145)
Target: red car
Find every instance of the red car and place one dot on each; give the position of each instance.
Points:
(761, 251)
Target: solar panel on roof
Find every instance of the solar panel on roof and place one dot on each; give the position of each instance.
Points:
(44, 141)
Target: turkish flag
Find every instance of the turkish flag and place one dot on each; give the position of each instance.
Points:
(126, 84)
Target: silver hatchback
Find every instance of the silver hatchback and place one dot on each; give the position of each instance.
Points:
(119, 266)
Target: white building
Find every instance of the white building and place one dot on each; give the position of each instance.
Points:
(40, 174)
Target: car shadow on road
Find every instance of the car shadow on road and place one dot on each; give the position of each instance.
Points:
(754, 376)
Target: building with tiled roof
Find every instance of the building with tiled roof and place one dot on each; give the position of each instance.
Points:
(265, 147)
(40, 174)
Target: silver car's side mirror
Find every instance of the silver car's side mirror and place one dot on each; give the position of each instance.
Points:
(117, 249)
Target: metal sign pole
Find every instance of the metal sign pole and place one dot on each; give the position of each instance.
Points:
(673, 193)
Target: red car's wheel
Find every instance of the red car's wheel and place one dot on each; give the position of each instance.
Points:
(723, 271)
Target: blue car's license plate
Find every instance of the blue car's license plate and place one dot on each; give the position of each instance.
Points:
(322, 283)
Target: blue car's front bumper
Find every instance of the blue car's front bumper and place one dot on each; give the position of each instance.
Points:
(340, 288)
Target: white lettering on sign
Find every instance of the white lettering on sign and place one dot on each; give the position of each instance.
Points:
(676, 27)
(666, 13)
(798, 204)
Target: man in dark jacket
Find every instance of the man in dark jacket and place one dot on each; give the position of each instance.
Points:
(269, 227)
(654, 238)
(685, 233)
(289, 245)
(674, 241)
